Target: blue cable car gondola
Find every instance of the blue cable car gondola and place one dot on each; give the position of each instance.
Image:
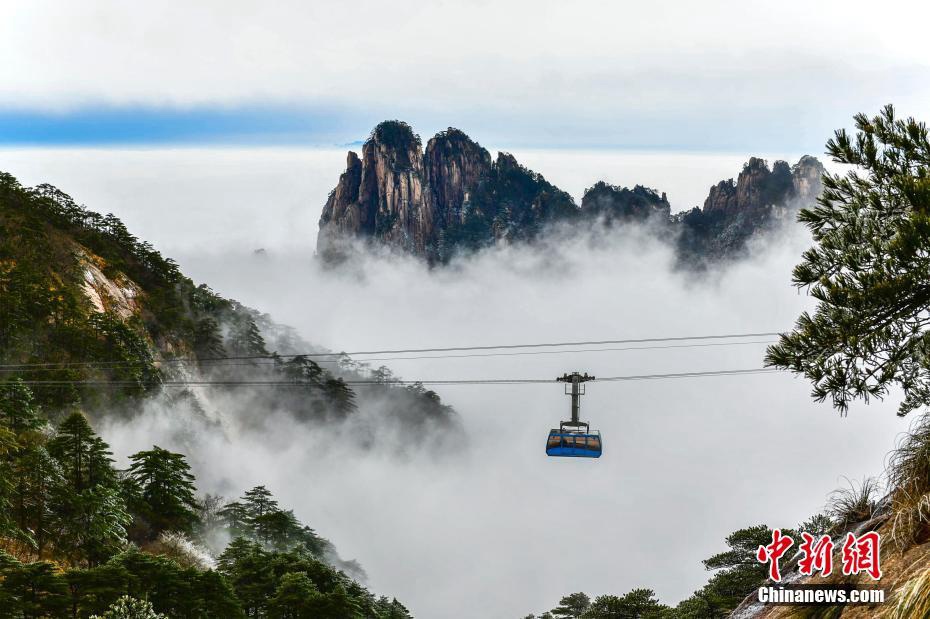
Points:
(574, 443)
(574, 439)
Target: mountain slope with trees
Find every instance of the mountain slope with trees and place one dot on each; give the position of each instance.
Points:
(94, 324)
(78, 536)
(84, 302)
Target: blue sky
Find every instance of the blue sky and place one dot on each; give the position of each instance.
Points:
(132, 125)
(721, 75)
(270, 124)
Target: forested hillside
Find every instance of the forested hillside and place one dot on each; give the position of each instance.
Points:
(94, 324)
(84, 301)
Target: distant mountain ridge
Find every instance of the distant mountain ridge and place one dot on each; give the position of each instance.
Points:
(453, 197)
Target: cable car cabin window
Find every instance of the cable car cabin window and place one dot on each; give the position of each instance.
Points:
(570, 444)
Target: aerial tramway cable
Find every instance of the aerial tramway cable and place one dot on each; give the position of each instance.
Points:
(103, 365)
(447, 382)
(337, 355)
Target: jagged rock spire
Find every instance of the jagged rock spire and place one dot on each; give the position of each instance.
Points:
(453, 196)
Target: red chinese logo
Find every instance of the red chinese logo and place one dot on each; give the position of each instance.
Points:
(817, 555)
(861, 554)
(773, 552)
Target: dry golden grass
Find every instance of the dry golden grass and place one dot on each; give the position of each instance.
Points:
(912, 599)
(17, 549)
(857, 503)
(909, 477)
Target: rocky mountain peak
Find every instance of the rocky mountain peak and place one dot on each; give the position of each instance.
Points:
(621, 204)
(395, 135)
(383, 195)
(455, 166)
(756, 189)
(454, 197)
(506, 161)
(806, 176)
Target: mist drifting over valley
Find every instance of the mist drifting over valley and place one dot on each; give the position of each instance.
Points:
(210, 210)
(482, 530)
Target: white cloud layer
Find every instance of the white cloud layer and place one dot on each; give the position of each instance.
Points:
(503, 530)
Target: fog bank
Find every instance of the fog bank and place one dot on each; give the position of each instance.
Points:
(502, 530)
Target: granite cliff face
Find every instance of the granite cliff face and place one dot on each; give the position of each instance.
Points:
(757, 188)
(384, 194)
(450, 198)
(453, 197)
(734, 211)
(455, 167)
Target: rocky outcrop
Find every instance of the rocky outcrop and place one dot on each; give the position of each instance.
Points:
(434, 203)
(453, 197)
(342, 213)
(735, 211)
(806, 178)
(119, 296)
(755, 189)
(383, 195)
(621, 204)
(758, 189)
(455, 167)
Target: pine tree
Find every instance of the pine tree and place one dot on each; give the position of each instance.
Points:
(90, 512)
(336, 605)
(244, 336)
(383, 375)
(236, 519)
(159, 580)
(258, 501)
(250, 571)
(92, 524)
(162, 491)
(34, 590)
(217, 599)
(869, 270)
(638, 604)
(33, 474)
(39, 483)
(392, 609)
(738, 573)
(277, 529)
(84, 456)
(295, 598)
(208, 343)
(301, 368)
(18, 412)
(572, 606)
(93, 590)
(341, 398)
(130, 608)
(8, 446)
